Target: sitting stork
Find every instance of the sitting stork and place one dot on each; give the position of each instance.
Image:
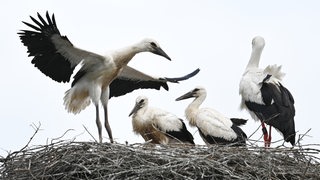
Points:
(214, 128)
(157, 125)
(56, 57)
(265, 97)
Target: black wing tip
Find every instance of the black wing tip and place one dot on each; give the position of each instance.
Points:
(190, 75)
(238, 121)
(40, 24)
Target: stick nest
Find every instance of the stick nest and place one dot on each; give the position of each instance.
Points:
(91, 160)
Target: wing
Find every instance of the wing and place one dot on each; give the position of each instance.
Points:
(274, 97)
(173, 127)
(131, 79)
(53, 54)
(238, 121)
(278, 109)
(183, 134)
(239, 141)
(214, 124)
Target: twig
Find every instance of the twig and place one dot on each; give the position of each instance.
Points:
(90, 133)
(91, 160)
(58, 138)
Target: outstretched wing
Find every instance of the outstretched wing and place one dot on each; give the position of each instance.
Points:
(53, 54)
(131, 79)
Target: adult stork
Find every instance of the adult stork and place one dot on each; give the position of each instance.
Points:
(55, 56)
(266, 99)
(157, 125)
(214, 127)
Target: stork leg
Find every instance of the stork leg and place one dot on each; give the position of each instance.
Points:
(265, 134)
(106, 122)
(269, 137)
(98, 123)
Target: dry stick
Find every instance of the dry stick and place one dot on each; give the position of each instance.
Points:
(302, 136)
(36, 128)
(304, 173)
(58, 138)
(90, 133)
(89, 160)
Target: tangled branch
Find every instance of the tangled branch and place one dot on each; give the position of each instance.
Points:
(90, 160)
(62, 159)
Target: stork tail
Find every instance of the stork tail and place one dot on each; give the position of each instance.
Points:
(75, 101)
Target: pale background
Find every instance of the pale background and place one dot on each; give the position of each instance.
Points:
(212, 35)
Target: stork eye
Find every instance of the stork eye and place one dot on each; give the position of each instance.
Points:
(141, 101)
(153, 44)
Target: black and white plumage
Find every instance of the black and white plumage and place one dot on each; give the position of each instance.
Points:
(131, 79)
(266, 99)
(55, 56)
(214, 127)
(157, 125)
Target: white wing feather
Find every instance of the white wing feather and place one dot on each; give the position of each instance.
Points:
(214, 124)
(164, 120)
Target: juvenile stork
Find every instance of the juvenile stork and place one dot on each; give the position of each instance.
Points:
(214, 128)
(157, 125)
(265, 97)
(55, 56)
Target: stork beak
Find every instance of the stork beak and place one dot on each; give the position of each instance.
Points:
(160, 52)
(185, 96)
(135, 109)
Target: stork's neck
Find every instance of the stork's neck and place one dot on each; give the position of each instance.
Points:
(124, 55)
(140, 114)
(192, 109)
(254, 58)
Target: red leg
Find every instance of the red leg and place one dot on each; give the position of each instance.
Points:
(265, 134)
(269, 138)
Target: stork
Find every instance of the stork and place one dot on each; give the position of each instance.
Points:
(157, 125)
(266, 99)
(214, 127)
(55, 56)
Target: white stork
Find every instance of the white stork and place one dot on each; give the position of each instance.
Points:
(56, 57)
(214, 127)
(265, 97)
(157, 125)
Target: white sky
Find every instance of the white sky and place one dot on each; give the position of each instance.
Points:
(212, 35)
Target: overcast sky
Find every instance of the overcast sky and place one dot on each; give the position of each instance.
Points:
(214, 36)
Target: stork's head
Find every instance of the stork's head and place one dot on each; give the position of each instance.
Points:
(258, 42)
(153, 46)
(141, 102)
(196, 92)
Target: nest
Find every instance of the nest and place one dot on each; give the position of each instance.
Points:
(68, 159)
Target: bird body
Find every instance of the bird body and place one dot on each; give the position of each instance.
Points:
(214, 127)
(56, 57)
(265, 98)
(157, 125)
(92, 80)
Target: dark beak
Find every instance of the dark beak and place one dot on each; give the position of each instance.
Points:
(135, 109)
(160, 52)
(185, 96)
